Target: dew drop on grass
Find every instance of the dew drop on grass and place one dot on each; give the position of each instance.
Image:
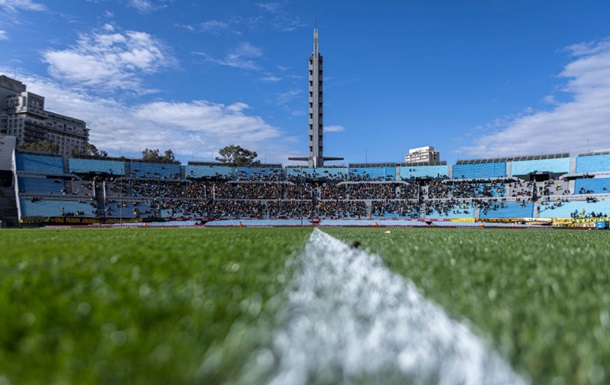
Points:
(108, 328)
(197, 302)
(118, 337)
(83, 309)
(28, 318)
(233, 267)
(144, 291)
(492, 294)
(163, 353)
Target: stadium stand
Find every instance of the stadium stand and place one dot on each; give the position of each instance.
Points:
(259, 174)
(593, 162)
(592, 186)
(479, 190)
(508, 210)
(395, 209)
(96, 166)
(440, 209)
(557, 166)
(40, 163)
(331, 173)
(127, 209)
(408, 172)
(41, 185)
(208, 172)
(155, 170)
(372, 174)
(57, 208)
(479, 170)
(574, 209)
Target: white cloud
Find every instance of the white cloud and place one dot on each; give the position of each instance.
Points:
(579, 125)
(334, 128)
(144, 6)
(241, 57)
(271, 78)
(214, 26)
(288, 96)
(3, 35)
(109, 59)
(270, 7)
(21, 5)
(197, 128)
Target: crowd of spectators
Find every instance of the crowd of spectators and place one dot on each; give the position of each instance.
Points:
(289, 209)
(356, 176)
(400, 208)
(336, 209)
(297, 175)
(448, 207)
(479, 190)
(258, 195)
(437, 189)
(261, 175)
(369, 191)
(258, 190)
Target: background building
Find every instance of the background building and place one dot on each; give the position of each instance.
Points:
(22, 115)
(423, 155)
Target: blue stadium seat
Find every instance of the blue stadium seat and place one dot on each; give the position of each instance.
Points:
(373, 173)
(509, 210)
(155, 170)
(31, 185)
(40, 163)
(594, 163)
(592, 186)
(86, 166)
(224, 172)
(407, 172)
(320, 172)
(479, 170)
(570, 209)
(56, 208)
(459, 211)
(559, 166)
(259, 174)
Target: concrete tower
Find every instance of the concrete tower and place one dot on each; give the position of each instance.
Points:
(316, 116)
(316, 97)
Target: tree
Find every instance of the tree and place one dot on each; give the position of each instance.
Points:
(154, 155)
(89, 150)
(149, 154)
(237, 156)
(169, 156)
(45, 145)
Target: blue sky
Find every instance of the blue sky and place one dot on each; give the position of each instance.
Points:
(475, 78)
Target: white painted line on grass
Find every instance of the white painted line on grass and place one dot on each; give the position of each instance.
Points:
(351, 320)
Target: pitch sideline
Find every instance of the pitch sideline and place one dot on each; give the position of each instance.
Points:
(352, 320)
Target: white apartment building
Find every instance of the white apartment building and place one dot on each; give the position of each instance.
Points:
(423, 155)
(23, 116)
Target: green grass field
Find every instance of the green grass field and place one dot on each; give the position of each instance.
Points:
(184, 306)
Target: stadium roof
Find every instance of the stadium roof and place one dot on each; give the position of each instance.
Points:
(515, 159)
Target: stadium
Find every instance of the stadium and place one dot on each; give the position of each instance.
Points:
(126, 271)
(555, 190)
(40, 188)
